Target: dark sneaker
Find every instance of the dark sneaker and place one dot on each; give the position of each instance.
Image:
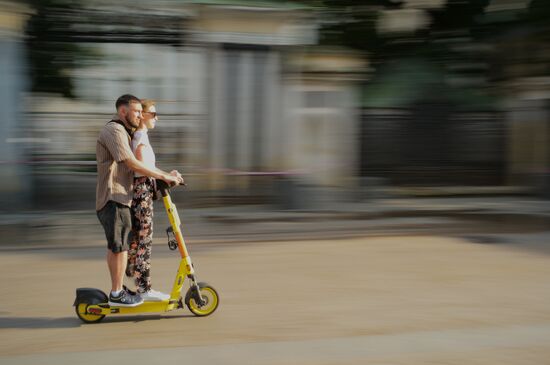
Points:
(129, 291)
(125, 299)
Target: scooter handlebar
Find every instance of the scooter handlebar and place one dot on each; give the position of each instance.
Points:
(163, 185)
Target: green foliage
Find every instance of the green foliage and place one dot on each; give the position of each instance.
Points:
(461, 39)
(52, 54)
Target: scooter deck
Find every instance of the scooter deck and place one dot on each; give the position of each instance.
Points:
(145, 307)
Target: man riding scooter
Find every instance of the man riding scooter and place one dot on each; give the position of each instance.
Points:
(116, 165)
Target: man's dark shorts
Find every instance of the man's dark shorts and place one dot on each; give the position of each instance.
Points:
(116, 220)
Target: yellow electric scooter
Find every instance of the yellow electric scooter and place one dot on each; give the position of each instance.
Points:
(92, 305)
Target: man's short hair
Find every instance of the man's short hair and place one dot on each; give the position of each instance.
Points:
(126, 100)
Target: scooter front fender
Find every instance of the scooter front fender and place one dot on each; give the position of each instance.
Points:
(90, 296)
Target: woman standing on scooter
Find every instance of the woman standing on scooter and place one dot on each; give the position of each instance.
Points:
(139, 254)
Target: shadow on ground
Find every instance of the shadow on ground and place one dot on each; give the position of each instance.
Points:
(71, 322)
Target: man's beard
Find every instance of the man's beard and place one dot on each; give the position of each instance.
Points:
(132, 124)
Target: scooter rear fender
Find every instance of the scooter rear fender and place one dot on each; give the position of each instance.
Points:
(90, 296)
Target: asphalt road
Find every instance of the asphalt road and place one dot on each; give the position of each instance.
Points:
(377, 300)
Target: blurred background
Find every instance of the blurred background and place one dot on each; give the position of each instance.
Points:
(367, 180)
(294, 104)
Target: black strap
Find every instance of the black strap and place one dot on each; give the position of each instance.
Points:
(129, 131)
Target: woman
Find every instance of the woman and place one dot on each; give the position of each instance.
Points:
(139, 254)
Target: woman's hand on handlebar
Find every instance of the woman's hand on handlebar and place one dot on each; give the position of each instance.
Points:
(177, 174)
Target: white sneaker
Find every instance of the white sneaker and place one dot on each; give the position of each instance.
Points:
(154, 296)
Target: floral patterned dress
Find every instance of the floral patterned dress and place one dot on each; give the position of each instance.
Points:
(141, 237)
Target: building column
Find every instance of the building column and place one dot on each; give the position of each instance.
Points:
(15, 190)
(217, 126)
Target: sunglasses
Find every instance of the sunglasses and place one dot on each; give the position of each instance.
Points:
(153, 114)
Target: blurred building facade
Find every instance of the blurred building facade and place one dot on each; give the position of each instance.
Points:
(243, 97)
(248, 99)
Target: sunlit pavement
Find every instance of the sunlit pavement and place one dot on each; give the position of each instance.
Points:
(385, 300)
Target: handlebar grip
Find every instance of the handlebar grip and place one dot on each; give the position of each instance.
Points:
(161, 184)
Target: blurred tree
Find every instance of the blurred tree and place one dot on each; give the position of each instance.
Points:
(353, 23)
(519, 36)
(52, 54)
(58, 28)
(356, 24)
(539, 13)
(465, 44)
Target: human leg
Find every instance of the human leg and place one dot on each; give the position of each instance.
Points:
(143, 219)
(133, 243)
(116, 221)
(143, 231)
(116, 263)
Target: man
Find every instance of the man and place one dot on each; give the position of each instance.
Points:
(116, 165)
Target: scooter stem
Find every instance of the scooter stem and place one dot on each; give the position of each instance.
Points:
(175, 223)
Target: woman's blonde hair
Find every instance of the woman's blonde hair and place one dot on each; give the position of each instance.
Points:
(147, 103)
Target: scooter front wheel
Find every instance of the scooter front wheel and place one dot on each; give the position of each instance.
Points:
(81, 309)
(210, 300)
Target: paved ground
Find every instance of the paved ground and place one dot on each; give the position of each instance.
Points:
(430, 299)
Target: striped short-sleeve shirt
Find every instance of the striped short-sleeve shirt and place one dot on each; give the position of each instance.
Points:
(114, 179)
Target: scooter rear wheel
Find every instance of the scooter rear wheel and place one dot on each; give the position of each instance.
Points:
(81, 309)
(209, 295)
